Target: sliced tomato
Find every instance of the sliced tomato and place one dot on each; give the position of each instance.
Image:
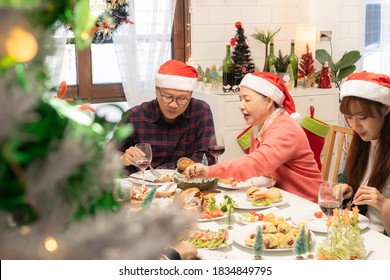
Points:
(318, 214)
(260, 216)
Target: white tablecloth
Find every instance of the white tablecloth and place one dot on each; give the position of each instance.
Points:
(377, 244)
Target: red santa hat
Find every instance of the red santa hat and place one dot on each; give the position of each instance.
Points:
(367, 85)
(176, 75)
(269, 84)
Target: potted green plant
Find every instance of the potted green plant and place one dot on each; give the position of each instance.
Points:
(281, 64)
(265, 37)
(342, 68)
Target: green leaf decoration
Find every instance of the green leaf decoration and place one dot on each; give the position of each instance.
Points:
(323, 56)
(348, 59)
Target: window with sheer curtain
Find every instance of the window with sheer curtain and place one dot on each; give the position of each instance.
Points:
(96, 75)
(377, 36)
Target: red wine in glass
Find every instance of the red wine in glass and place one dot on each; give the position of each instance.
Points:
(216, 146)
(327, 206)
(143, 163)
(216, 150)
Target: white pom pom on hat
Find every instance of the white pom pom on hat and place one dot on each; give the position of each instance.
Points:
(175, 74)
(269, 84)
(368, 85)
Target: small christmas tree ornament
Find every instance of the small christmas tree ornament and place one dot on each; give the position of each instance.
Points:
(310, 245)
(288, 78)
(145, 204)
(204, 160)
(241, 56)
(258, 247)
(300, 244)
(325, 81)
(230, 217)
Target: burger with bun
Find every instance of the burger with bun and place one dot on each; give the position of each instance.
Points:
(260, 198)
(250, 191)
(274, 194)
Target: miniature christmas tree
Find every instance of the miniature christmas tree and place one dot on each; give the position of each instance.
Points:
(207, 75)
(258, 247)
(309, 245)
(325, 81)
(288, 78)
(204, 160)
(145, 204)
(200, 73)
(230, 217)
(243, 62)
(300, 244)
(306, 64)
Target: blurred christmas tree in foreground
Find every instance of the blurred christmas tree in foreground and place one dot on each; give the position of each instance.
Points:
(57, 168)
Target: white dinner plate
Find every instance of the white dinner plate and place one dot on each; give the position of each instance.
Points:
(243, 203)
(239, 217)
(239, 235)
(319, 224)
(261, 181)
(149, 176)
(213, 226)
(212, 219)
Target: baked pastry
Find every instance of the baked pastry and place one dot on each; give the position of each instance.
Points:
(250, 239)
(270, 241)
(165, 179)
(229, 181)
(183, 163)
(269, 227)
(284, 227)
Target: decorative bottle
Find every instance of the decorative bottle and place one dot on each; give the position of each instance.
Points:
(293, 60)
(227, 71)
(271, 58)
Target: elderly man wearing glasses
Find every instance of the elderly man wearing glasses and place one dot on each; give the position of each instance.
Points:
(175, 124)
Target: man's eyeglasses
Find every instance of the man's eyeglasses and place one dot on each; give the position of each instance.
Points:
(169, 99)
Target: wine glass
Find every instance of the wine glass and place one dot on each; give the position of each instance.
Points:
(329, 197)
(216, 146)
(143, 161)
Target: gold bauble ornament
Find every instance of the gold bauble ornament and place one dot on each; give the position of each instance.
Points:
(21, 45)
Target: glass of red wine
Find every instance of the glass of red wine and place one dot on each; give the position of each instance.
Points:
(216, 146)
(329, 197)
(143, 158)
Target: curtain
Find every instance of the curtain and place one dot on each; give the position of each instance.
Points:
(142, 47)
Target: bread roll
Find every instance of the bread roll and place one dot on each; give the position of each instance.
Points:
(183, 163)
(274, 194)
(250, 191)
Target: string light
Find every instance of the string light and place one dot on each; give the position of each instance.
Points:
(51, 244)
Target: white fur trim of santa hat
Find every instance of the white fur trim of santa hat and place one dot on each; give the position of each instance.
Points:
(175, 82)
(175, 74)
(264, 87)
(367, 85)
(367, 90)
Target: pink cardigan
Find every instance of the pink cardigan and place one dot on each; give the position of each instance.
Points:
(283, 153)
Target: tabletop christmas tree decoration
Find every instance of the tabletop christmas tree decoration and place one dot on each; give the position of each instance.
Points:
(145, 204)
(310, 245)
(258, 247)
(300, 244)
(57, 168)
(306, 67)
(241, 56)
(204, 160)
(230, 217)
(325, 80)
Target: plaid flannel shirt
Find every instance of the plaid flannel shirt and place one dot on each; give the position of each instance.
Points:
(188, 136)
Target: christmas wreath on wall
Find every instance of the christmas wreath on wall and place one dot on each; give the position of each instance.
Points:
(115, 13)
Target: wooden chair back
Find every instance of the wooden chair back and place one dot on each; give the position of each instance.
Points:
(337, 141)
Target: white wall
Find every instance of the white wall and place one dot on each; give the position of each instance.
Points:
(212, 25)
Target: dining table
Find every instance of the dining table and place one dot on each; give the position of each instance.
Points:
(294, 209)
